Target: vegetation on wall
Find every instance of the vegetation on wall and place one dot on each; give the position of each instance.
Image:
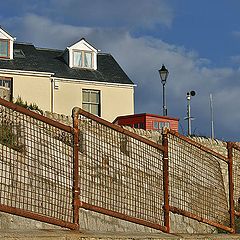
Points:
(31, 106)
(10, 135)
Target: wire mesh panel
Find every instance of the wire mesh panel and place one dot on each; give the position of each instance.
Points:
(120, 173)
(35, 166)
(196, 181)
(236, 177)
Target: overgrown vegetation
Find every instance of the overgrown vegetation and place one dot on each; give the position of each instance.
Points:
(31, 106)
(10, 136)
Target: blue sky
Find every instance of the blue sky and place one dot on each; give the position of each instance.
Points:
(198, 41)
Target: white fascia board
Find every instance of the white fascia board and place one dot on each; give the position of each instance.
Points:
(6, 34)
(26, 73)
(94, 82)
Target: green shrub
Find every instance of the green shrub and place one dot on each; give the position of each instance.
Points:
(32, 106)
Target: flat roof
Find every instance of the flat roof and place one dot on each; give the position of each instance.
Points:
(145, 115)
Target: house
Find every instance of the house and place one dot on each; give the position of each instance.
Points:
(58, 80)
(148, 121)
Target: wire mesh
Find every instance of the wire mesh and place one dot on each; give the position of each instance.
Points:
(120, 173)
(236, 177)
(35, 166)
(196, 181)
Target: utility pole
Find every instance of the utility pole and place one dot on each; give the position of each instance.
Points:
(211, 110)
(189, 118)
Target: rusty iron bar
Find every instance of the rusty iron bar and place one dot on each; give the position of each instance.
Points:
(122, 216)
(200, 219)
(166, 181)
(76, 189)
(231, 187)
(198, 145)
(120, 129)
(34, 115)
(38, 217)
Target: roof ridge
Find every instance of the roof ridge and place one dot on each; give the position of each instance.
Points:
(48, 49)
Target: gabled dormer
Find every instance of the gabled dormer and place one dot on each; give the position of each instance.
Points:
(6, 45)
(81, 55)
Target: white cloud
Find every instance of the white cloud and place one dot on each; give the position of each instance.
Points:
(141, 58)
(236, 34)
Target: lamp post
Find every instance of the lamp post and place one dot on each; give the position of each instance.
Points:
(189, 118)
(163, 72)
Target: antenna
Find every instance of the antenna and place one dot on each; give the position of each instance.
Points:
(211, 110)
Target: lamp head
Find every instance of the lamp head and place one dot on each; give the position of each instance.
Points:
(163, 72)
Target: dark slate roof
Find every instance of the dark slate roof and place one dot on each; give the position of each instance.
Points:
(48, 60)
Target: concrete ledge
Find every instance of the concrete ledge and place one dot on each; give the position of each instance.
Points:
(73, 235)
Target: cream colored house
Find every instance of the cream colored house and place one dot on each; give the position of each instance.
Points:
(58, 80)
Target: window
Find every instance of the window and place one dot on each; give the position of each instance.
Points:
(6, 88)
(160, 125)
(164, 124)
(4, 48)
(18, 53)
(91, 101)
(82, 59)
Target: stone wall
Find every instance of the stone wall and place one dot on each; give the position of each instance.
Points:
(95, 221)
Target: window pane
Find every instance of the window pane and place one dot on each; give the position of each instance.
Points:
(88, 60)
(95, 97)
(86, 96)
(86, 107)
(135, 125)
(77, 59)
(3, 48)
(155, 125)
(6, 84)
(95, 109)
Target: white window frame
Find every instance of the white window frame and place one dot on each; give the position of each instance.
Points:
(90, 103)
(3, 81)
(83, 61)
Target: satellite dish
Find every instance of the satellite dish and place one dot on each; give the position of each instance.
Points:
(192, 93)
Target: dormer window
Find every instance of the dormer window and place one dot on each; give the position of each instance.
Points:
(82, 59)
(4, 48)
(81, 55)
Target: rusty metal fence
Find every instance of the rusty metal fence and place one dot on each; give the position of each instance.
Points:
(49, 170)
(120, 173)
(35, 166)
(235, 153)
(197, 188)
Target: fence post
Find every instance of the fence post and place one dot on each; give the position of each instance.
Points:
(166, 180)
(76, 189)
(230, 181)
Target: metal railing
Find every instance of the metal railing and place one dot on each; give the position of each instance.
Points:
(120, 173)
(197, 187)
(48, 171)
(36, 166)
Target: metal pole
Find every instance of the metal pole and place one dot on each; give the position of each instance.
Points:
(166, 181)
(231, 186)
(189, 114)
(211, 109)
(76, 189)
(164, 101)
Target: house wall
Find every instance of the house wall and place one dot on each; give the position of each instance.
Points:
(33, 89)
(150, 123)
(115, 100)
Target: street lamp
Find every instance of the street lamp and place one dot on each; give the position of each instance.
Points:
(189, 118)
(163, 72)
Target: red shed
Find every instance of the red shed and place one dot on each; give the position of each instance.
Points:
(147, 121)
